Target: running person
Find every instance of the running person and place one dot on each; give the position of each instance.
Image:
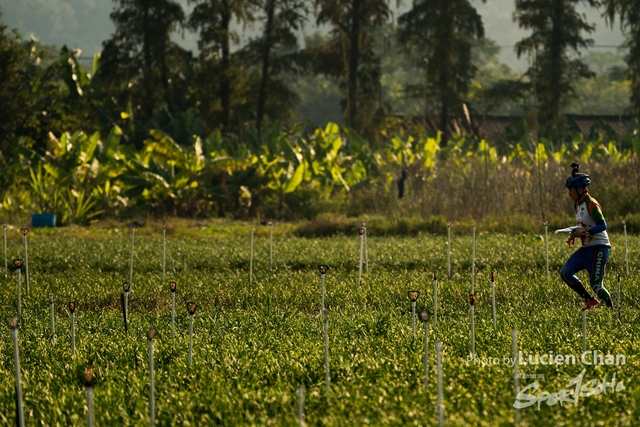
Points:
(595, 250)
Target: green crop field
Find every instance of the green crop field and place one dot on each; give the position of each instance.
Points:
(255, 343)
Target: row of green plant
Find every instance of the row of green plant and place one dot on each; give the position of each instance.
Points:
(253, 345)
(285, 175)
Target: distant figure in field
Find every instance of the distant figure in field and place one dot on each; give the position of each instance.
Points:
(595, 250)
(401, 181)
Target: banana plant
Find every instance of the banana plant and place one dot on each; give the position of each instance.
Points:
(230, 172)
(364, 157)
(46, 192)
(82, 207)
(180, 170)
(62, 180)
(74, 77)
(400, 151)
(280, 161)
(331, 162)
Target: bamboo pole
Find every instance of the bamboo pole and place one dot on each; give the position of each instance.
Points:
(13, 324)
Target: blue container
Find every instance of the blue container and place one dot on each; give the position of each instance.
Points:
(43, 220)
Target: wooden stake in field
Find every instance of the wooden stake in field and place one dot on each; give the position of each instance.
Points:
(618, 296)
(473, 261)
(124, 312)
(546, 243)
(361, 232)
(53, 319)
(126, 286)
(626, 248)
(440, 402)
(13, 324)
(323, 270)
(251, 259)
(191, 308)
(493, 298)
(164, 251)
(152, 399)
(516, 378)
(89, 380)
(413, 296)
(17, 263)
(301, 406)
(327, 377)
(435, 298)
(472, 301)
(584, 329)
(133, 233)
(270, 245)
(366, 249)
(4, 228)
(72, 310)
(24, 232)
(173, 286)
(449, 269)
(425, 359)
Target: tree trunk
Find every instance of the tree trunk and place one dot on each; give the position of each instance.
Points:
(426, 91)
(163, 68)
(444, 122)
(444, 98)
(225, 86)
(354, 50)
(557, 71)
(445, 65)
(147, 66)
(266, 51)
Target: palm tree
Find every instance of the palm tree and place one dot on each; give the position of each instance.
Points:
(281, 19)
(138, 51)
(213, 19)
(443, 32)
(352, 22)
(554, 44)
(629, 15)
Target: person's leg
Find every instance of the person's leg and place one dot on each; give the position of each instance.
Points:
(596, 268)
(568, 273)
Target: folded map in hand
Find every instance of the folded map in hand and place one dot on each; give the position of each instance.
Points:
(568, 229)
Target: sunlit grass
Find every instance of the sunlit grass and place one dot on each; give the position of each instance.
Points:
(254, 345)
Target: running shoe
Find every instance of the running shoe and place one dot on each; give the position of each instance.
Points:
(588, 305)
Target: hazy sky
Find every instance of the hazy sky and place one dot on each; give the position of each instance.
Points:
(85, 24)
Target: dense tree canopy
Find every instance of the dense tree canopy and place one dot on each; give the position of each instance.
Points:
(557, 35)
(433, 63)
(442, 32)
(351, 51)
(13, 59)
(149, 127)
(219, 78)
(628, 12)
(275, 51)
(140, 66)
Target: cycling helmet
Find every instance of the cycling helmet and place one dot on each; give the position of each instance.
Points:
(577, 179)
